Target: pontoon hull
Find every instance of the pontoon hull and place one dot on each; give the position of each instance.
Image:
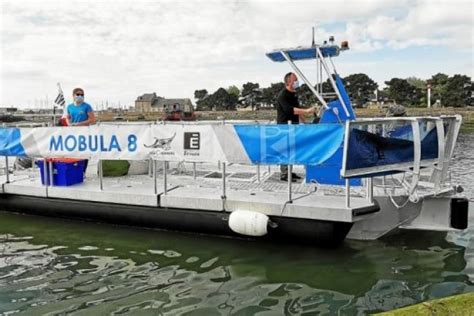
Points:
(307, 231)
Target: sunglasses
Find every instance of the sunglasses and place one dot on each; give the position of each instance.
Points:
(79, 95)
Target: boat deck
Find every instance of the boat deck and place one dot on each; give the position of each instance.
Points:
(245, 190)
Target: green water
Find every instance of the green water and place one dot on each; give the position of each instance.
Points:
(58, 266)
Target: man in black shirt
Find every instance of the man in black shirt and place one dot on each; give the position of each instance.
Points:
(289, 110)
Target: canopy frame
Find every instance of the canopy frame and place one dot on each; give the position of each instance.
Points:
(321, 64)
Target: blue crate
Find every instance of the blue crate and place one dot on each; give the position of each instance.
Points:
(64, 173)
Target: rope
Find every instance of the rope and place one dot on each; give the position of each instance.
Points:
(411, 196)
(299, 197)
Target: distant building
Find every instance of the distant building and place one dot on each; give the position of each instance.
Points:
(150, 102)
(8, 110)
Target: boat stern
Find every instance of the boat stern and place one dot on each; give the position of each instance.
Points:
(441, 214)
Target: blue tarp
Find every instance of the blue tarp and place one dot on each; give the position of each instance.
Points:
(302, 53)
(290, 144)
(10, 142)
(370, 150)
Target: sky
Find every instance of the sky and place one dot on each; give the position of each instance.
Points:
(117, 50)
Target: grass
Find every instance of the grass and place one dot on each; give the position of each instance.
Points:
(462, 304)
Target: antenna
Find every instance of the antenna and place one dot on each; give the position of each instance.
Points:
(313, 43)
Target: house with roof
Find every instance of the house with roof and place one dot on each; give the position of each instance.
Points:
(151, 102)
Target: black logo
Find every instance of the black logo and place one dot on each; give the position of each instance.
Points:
(192, 141)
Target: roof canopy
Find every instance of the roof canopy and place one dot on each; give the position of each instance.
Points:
(301, 53)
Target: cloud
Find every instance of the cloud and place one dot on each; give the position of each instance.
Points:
(436, 23)
(120, 49)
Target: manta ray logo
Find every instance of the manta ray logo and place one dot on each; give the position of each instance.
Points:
(162, 143)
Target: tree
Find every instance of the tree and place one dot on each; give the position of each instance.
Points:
(458, 91)
(439, 79)
(470, 101)
(420, 84)
(305, 96)
(251, 95)
(201, 100)
(249, 87)
(438, 86)
(234, 91)
(221, 100)
(253, 99)
(403, 92)
(327, 86)
(452, 91)
(417, 82)
(270, 94)
(360, 88)
(200, 94)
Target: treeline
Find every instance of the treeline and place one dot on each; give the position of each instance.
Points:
(456, 91)
(228, 99)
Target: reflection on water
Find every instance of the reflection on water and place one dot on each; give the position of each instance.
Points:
(57, 266)
(49, 265)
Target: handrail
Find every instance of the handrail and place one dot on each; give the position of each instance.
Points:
(416, 156)
(446, 142)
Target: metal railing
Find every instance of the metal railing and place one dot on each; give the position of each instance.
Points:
(447, 129)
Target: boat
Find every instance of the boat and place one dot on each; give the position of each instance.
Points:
(176, 112)
(364, 178)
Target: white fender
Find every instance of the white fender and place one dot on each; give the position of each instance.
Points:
(248, 223)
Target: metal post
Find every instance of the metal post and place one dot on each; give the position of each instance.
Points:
(290, 179)
(429, 96)
(370, 190)
(165, 178)
(223, 180)
(7, 172)
(320, 77)
(150, 167)
(194, 171)
(348, 193)
(302, 76)
(317, 76)
(45, 176)
(4, 125)
(331, 80)
(101, 175)
(51, 173)
(155, 185)
(416, 155)
(258, 173)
